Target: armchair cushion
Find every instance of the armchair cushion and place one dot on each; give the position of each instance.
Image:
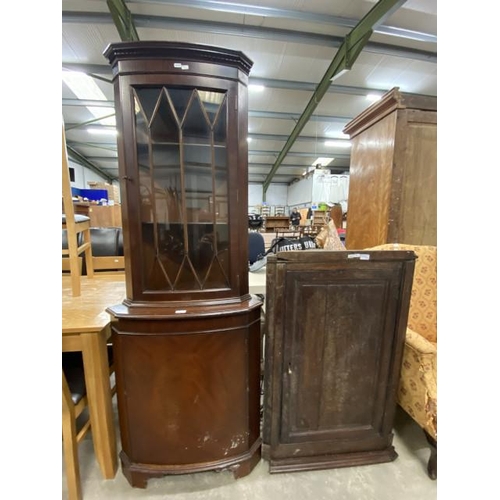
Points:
(423, 304)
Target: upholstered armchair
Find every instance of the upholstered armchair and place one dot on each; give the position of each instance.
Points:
(417, 392)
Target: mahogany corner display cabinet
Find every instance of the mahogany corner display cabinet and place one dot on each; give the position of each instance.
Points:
(334, 342)
(186, 339)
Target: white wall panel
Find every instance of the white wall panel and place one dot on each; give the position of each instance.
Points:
(277, 194)
(299, 193)
(83, 175)
(254, 194)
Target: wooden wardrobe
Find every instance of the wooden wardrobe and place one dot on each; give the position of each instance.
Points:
(393, 172)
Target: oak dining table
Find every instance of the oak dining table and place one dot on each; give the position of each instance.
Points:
(86, 328)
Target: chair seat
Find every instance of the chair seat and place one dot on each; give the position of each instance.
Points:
(72, 364)
(78, 218)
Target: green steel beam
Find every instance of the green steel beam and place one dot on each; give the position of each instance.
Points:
(96, 145)
(122, 18)
(345, 57)
(80, 159)
(83, 124)
(100, 78)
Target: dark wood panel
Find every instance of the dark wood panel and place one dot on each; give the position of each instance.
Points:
(188, 399)
(418, 213)
(348, 349)
(195, 396)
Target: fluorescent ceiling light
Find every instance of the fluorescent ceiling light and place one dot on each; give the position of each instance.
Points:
(338, 144)
(339, 74)
(85, 87)
(101, 113)
(82, 85)
(323, 161)
(373, 97)
(256, 88)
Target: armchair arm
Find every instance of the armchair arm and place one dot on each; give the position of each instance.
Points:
(419, 342)
(417, 392)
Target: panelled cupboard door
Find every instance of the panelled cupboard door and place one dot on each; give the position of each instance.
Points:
(335, 334)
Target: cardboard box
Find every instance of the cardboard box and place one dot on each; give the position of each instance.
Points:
(113, 191)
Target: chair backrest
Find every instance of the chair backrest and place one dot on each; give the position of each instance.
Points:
(74, 224)
(422, 317)
(67, 197)
(255, 221)
(65, 260)
(104, 241)
(107, 249)
(256, 246)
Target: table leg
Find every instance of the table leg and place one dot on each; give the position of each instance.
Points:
(95, 360)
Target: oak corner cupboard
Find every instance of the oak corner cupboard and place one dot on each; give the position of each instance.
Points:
(187, 337)
(334, 343)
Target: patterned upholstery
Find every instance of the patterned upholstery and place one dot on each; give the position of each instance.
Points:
(417, 392)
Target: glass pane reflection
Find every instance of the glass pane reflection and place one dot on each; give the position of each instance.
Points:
(181, 147)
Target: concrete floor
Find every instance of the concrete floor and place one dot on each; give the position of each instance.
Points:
(404, 479)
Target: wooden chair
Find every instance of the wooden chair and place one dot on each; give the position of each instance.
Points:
(65, 260)
(74, 404)
(107, 250)
(74, 225)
